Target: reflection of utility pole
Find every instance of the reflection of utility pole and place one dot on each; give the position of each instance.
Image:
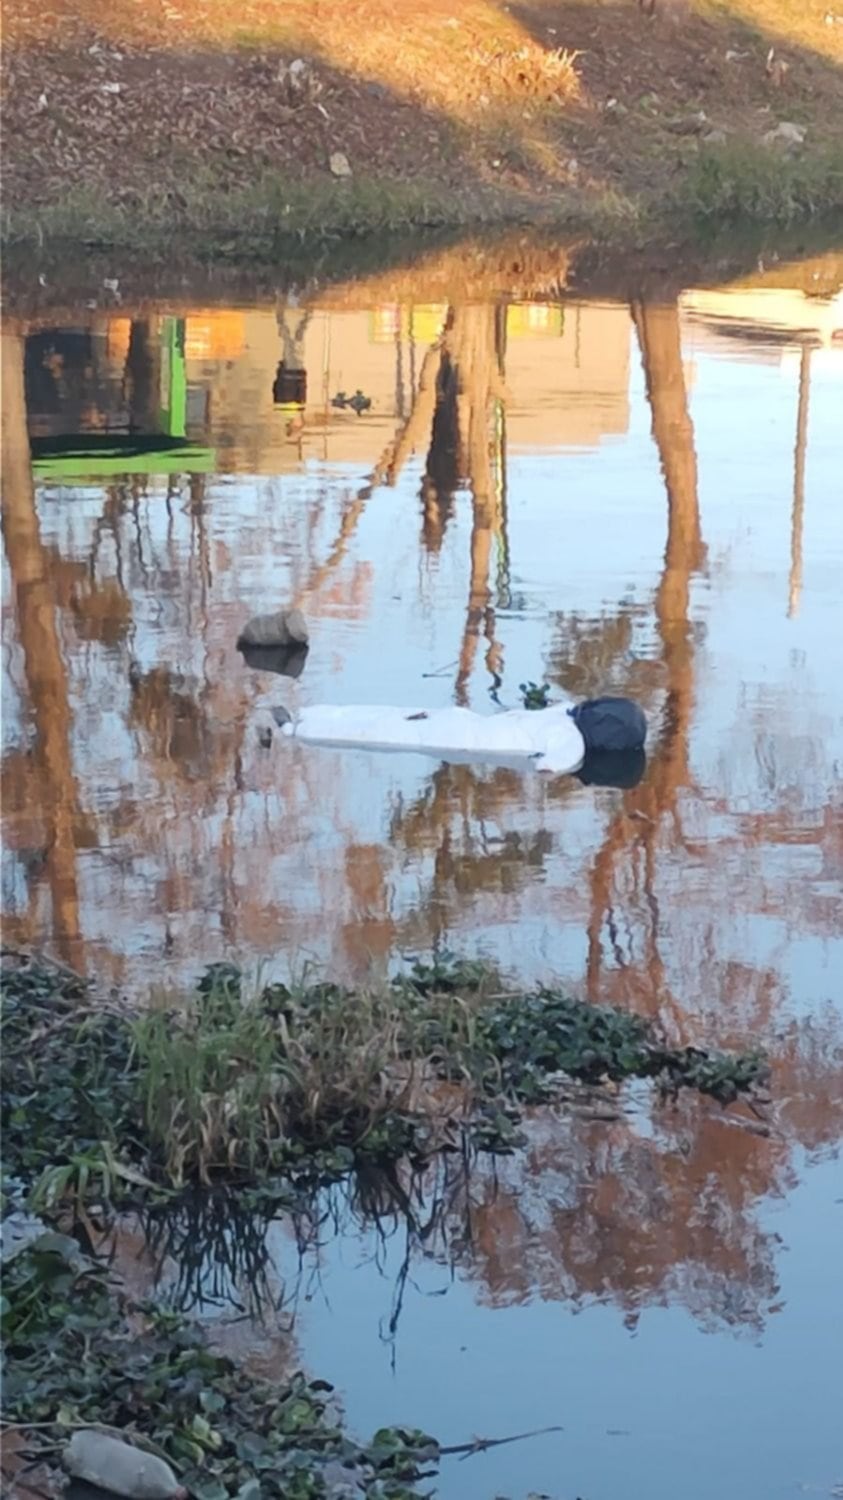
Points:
(399, 367)
(502, 576)
(289, 389)
(798, 512)
(636, 827)
(44, 667)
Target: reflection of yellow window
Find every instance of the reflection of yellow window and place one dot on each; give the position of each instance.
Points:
(529, 320)
(117, 340)
(385, 323)
(427, 321)
(213, 335)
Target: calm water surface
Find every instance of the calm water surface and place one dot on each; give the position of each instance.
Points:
(643, 498)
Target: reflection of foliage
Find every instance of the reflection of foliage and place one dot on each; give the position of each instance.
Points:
(175, 723)
(216, 1242)
(102, 612)
(596, 1212)
(591, 655)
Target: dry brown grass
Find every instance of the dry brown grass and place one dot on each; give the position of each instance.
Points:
(567, 101)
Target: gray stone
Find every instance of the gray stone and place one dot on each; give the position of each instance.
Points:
(286, 628)
(786, 134)
(119, 1467)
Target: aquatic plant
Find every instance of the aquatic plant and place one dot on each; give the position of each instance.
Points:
(534, 696)
(278, 1086)
(81, 1354)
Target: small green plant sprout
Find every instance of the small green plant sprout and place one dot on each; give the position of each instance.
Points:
(533, 695)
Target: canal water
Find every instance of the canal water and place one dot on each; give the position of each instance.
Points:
(609, 494)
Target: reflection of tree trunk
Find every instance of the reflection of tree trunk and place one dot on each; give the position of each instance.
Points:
(461, 447)
(418, 423)
(442, 469)
(644, 807)
(386, 470)
(798, 513)
(44, 667)
(142, 375)
(478, 593)
(661, 352)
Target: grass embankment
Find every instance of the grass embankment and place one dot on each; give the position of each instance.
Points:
(187, 126)
(291, 1084)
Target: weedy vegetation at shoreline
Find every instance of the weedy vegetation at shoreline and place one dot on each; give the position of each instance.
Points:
(231, 1085)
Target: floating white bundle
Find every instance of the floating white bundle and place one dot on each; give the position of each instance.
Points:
(548, 738)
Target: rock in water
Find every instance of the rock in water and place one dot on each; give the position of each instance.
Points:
(286, 628)
(287, 661)
(120, 1468)
(610, 724)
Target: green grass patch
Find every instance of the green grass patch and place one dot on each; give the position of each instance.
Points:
(231, 1085)
(254, 221)
(748, 182)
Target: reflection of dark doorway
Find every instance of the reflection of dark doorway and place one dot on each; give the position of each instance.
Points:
(64, 376)
(290, 386)
(142, 375)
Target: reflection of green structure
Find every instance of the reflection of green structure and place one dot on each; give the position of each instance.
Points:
(173, 413)
(168, 451)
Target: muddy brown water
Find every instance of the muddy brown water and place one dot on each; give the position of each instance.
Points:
(636, 497)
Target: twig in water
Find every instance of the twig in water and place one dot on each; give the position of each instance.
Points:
(442, 671)
(479, 1445)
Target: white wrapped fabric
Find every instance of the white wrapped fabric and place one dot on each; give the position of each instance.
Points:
(547, 739)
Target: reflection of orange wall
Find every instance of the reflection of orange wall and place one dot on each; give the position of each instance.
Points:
(117, 340)
(574, 388)
(214, 334)
(208, 334)
(567, 371)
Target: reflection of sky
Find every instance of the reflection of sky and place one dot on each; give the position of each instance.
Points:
(251, 853)
(586, 536)
(745, 1416)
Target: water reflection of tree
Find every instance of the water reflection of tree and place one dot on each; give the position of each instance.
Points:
(798, 511)
(635, 830)
(635, 1219)
(467, 447)
(55, 789)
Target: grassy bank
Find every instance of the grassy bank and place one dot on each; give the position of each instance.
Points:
(739, 183)
(225, 130)
(282, 1086)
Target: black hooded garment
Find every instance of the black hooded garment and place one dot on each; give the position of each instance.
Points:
(610, 724)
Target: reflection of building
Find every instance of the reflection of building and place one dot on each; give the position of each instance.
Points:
(110, 401)
(762, 316)
(571, 391)
(567, 373)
